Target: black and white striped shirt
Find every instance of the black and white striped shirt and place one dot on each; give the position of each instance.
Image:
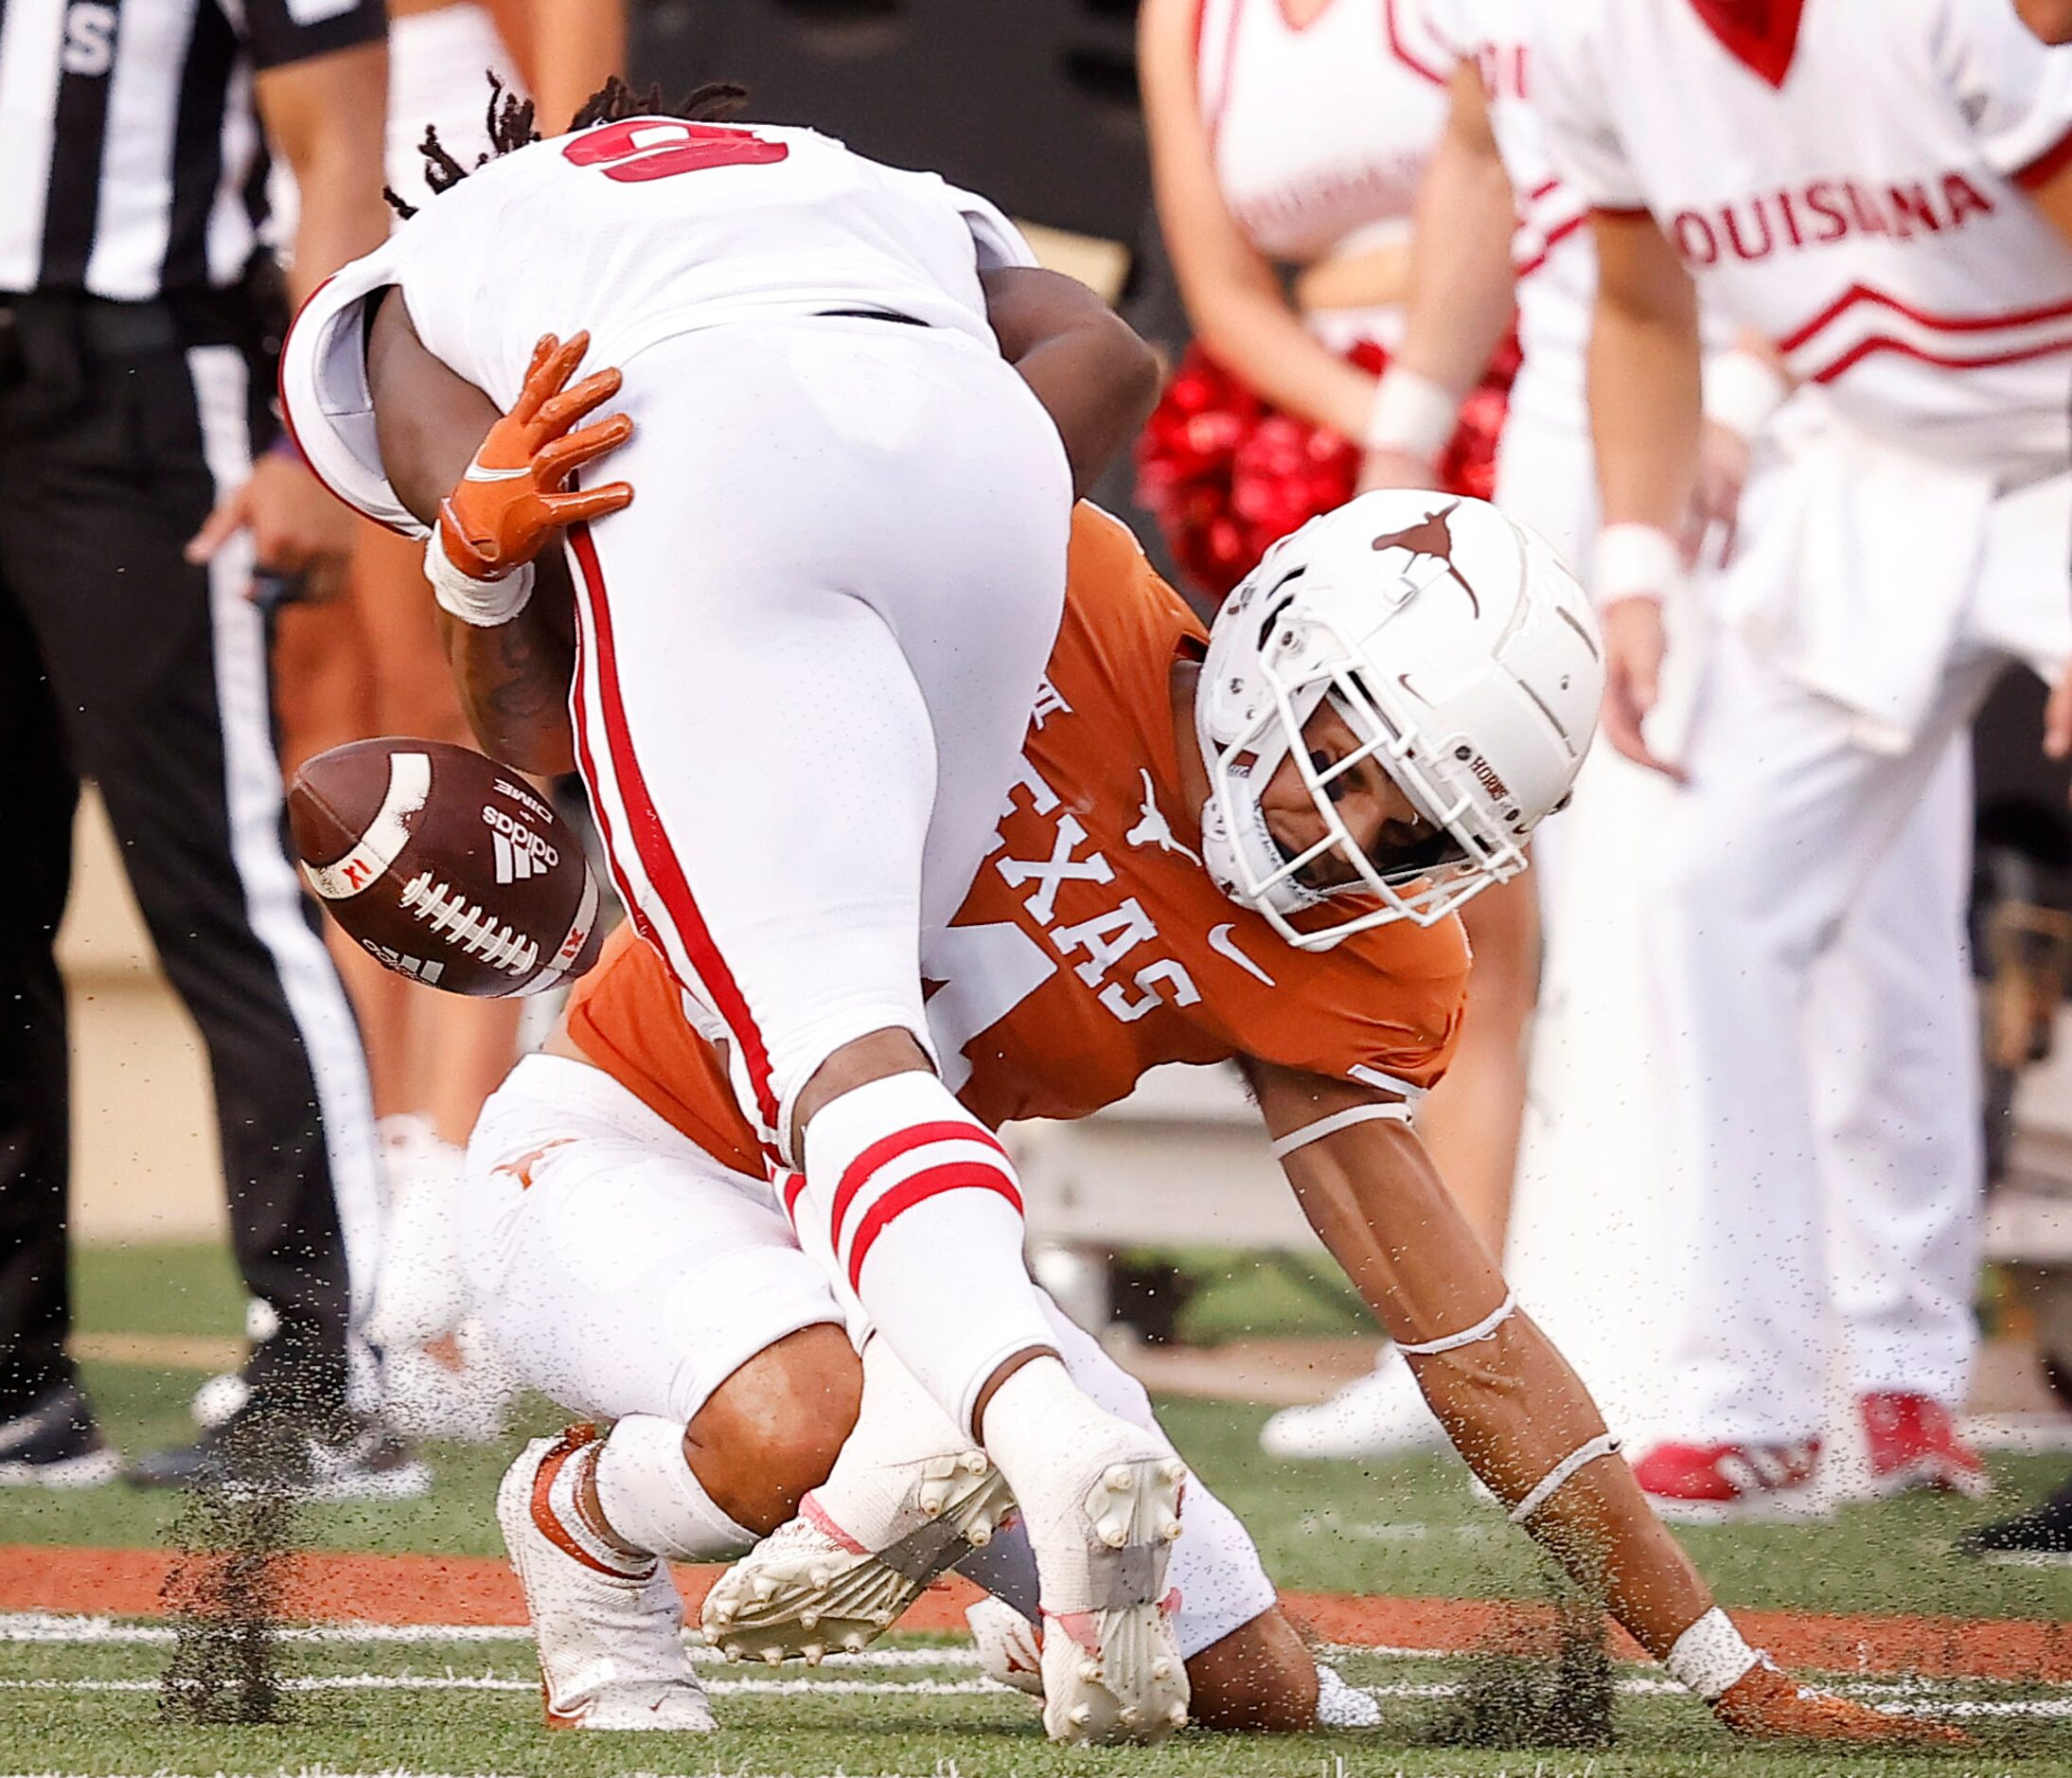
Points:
(131, 164)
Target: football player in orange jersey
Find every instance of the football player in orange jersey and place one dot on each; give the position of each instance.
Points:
(1242, 846)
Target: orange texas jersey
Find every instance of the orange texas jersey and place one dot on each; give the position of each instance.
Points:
(1092, 945)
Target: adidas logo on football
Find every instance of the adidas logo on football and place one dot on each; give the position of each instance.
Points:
(520, 853)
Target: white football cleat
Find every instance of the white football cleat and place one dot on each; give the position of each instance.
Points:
(612, 1651)
(1112, 1670)
(1010, 1648)
(1378, 1414)
(839, 1576)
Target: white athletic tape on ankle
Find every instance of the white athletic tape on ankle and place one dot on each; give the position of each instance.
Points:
(484, 604)
(1394, 1111)
(1558, 1477)
(652, 1500)
(1711, 1656)
(1466, 1337)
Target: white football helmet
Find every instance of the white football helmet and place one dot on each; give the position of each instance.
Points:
(1463, 655)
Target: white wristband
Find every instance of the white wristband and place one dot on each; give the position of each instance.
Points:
(483, 603)
(1410, 414)
(1742, 390)
(1711, 1656)
(1634, 561)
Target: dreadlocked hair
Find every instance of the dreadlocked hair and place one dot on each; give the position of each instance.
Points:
(514, 124)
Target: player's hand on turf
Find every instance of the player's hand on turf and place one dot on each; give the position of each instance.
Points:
(298, 528)
(1634, 651)
(1769, 1705)
(513, 498)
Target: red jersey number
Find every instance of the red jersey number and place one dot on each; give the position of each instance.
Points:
(641, 149)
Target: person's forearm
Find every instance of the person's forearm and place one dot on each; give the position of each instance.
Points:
(575, 46)
(513, 679)
(1644, 410)
(1461, 289)
(328, 116)
(1255, 335)
(1509, 1401)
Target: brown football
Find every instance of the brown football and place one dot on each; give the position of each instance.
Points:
(445, 866)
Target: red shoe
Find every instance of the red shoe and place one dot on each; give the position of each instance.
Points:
(1731, 1483)
(1767, 1705)
(1913, 1444)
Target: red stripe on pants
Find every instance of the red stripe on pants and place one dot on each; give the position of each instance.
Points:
(657, 857)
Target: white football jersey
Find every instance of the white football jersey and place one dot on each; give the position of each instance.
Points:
(638, 231)
(1550, 250)
(1847, 182)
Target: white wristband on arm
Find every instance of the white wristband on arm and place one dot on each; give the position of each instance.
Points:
(1634, 561)
(1410, 414)
(483, 603)
(1742, 390)
(1711, 1656)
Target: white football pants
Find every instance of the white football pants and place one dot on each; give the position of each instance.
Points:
(620, 1270)
(1774, 856)
(808, 653)
(1897, 1155)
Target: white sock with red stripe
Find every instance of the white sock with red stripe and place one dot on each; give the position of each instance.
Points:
(914, 1206)
(652, 1499)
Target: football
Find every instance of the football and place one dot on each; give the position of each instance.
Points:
(445, 866)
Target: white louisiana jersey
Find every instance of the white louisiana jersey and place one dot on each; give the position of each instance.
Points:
(1552, 253)
(1848, 181)
(638, 231)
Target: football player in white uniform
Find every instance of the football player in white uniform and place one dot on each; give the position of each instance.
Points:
(1880, 187)
(851, 542)
(1898, 1161)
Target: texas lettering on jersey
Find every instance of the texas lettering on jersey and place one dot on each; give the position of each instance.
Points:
(1091, 946)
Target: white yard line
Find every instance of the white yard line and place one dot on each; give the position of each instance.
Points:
(1924, 1695)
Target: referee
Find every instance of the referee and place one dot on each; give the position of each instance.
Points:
(144, 497)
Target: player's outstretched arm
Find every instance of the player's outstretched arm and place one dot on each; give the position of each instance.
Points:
(1511, 1405)
(1085, 362)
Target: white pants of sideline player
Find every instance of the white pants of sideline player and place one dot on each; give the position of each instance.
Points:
(1897, 1167)
(1762, 862)
(634, 1274)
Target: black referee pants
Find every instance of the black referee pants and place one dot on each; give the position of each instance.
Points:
(122, 663)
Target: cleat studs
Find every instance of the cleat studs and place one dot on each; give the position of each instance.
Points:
(1079, 1715)
(975, 1463)
(773, 1655)
(853, 1643)
(734, 1651)
(813, 1654)
(1162, 1671)
(1172, 1469)
(1113, 1533)
(1177, 1716)
(819, 1579)
(979, 1535)
(1089, 1673)
(808, 1620)
(765, 1589)
(883, 1619)
(721, 1610)
(1171, 1530)
(1119, 1479)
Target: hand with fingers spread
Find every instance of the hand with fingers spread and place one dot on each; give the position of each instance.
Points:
(513, 500)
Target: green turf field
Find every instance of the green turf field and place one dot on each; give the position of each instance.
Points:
(470, 1706)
